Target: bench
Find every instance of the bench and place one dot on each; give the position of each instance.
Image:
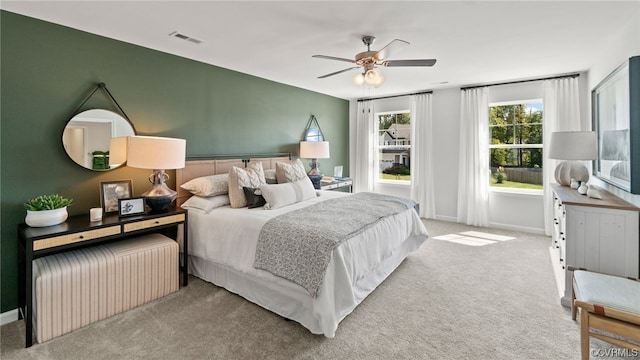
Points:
(608, 304)
(76, 288)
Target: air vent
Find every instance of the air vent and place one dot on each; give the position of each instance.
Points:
(185, 37)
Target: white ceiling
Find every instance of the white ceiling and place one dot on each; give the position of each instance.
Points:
(474, 41)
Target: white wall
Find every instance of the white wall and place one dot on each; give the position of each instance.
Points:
(517, 211)
(614, 54)
(446, 143)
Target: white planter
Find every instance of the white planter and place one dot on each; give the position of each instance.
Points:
(46, 217)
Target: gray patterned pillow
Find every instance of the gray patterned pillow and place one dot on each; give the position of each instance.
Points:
(290, 172)
(211, 185)
(252, 176)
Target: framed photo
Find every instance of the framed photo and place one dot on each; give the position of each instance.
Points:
(131, 206)
(616, 120)
(337, 171)
(111, 191)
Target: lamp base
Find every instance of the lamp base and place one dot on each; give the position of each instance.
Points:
(567, 170)
(315, 168)
(315, 180)
(159, 197)
(158, 203)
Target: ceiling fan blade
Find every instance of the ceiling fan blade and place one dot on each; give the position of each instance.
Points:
(419, 62)
(333, 58)
(391, 48)
(338, 72)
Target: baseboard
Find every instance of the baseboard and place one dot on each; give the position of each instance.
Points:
(498, 225)
(446, 218)
(9, 316)
(517, 228)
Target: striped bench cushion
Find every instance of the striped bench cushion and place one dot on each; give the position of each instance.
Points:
(76, 288)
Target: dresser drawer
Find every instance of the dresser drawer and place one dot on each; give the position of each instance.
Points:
(75, 237)
(146, 224)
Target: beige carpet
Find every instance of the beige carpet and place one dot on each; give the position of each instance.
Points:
(446, 301)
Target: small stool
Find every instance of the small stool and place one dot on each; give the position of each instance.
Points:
(608, 303)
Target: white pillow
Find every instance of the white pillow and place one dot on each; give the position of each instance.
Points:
(205, 204)
(252, 176)
(290, 172)
(211, 185)
(280, 195)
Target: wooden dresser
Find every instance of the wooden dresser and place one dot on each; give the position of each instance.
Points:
(598, 234)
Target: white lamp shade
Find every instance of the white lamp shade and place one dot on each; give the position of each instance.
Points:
(118, 150)
(150, 152)
(314, 149)
(573, 145)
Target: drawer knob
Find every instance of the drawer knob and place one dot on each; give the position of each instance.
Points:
(157, 222)
(81, 236)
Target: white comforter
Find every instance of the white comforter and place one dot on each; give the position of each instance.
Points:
(222, 250)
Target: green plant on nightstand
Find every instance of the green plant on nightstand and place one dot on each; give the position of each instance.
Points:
(47, 210)
(47, 202)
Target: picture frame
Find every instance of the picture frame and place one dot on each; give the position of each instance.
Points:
(111, 192)
(616, 120)
(130, 206)
(337, 171)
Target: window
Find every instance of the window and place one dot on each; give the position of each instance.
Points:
(394, 146)
(516, 144)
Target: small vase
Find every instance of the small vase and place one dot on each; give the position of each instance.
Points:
(593, 193)
(574, 183)
(46, 217)
(583, 188)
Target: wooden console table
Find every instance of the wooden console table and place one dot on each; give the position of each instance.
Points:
(79, 232)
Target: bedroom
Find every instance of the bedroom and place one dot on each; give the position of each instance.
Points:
(47, 70)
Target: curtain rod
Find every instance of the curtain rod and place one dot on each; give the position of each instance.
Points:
(522, 81)
(393, 96)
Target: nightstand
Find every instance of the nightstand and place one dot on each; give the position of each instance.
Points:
(336, 184)
(78, 232)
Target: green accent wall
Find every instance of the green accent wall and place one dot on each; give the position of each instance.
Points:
(47, 70)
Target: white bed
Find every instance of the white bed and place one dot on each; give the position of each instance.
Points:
(222, 247)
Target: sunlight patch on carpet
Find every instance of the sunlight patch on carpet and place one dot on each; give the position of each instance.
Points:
(474, 238)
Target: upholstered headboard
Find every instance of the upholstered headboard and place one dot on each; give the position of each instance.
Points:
(213, 165)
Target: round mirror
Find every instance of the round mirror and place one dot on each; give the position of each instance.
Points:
(87, 138)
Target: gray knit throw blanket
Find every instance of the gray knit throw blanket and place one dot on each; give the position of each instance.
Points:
(298, 245)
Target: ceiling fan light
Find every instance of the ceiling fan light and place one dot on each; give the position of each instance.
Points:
(371, 76)
(358, 79)
(379, 82)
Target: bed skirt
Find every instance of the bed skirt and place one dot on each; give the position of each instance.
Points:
(320, 315)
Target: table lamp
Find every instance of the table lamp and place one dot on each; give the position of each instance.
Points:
(314, 150)
(159, 154)
(572, 146)
(118, 151)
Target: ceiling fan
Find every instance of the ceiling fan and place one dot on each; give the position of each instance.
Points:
(370, 60)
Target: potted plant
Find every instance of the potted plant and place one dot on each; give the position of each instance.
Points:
(501, 176)
(47, 210)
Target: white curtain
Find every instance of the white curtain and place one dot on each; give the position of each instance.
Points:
(561, 113)
(474, 171)
(422, 175)
(365, 167)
